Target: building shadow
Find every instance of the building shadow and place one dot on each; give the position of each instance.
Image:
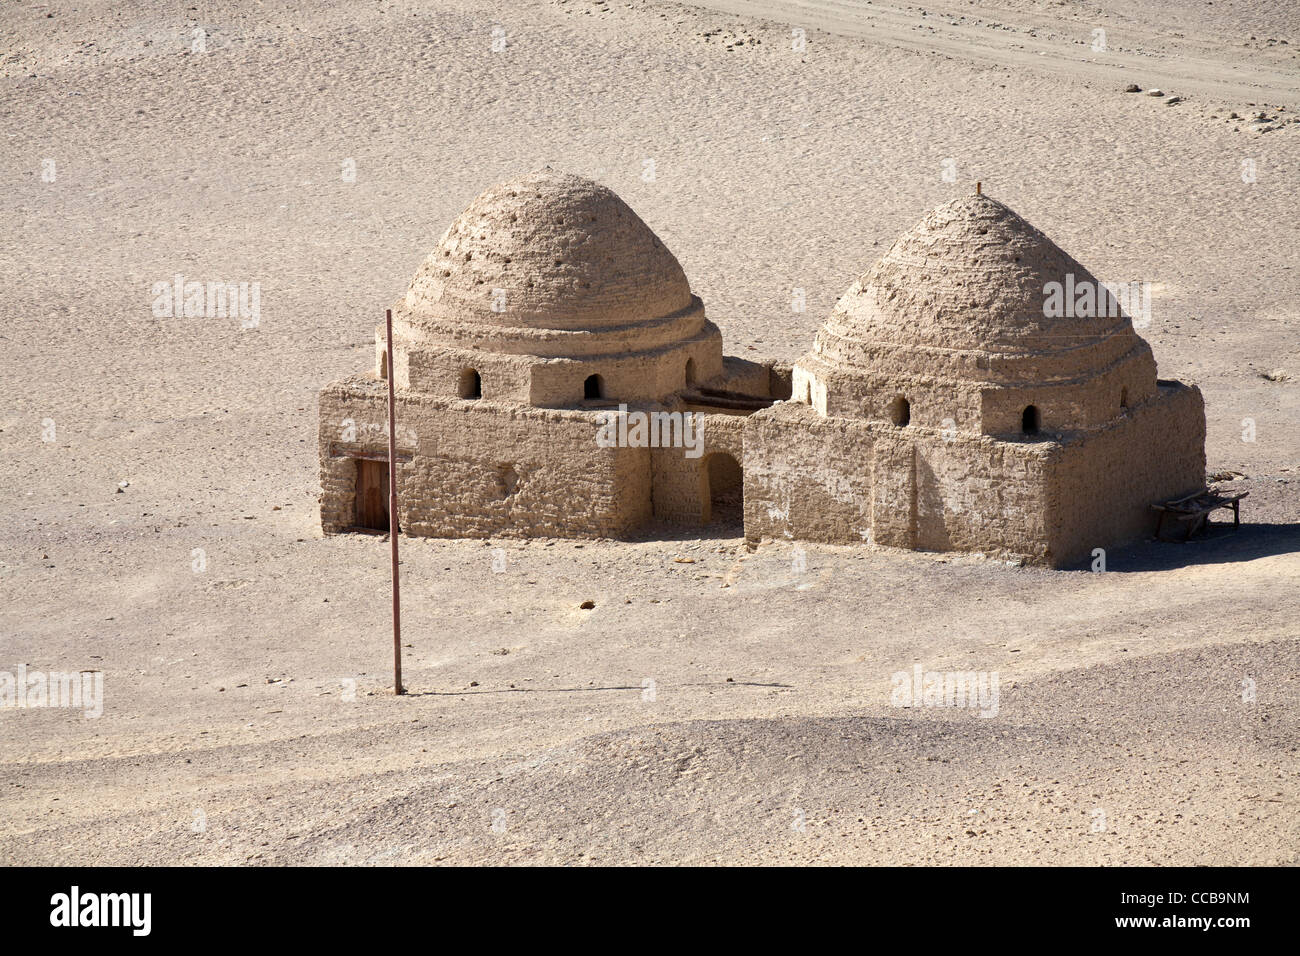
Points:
(727, 527)
(1218, 543)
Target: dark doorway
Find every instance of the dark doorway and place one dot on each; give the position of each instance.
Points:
(593, 387)
(471, 385)
(725, 490)
(900, 412)
(1029, 421)
(690, 371)
(372, 494)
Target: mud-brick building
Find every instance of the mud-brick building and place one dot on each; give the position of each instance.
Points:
(546, 306)
(943, 406)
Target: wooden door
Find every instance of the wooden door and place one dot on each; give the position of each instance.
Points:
(372, 494)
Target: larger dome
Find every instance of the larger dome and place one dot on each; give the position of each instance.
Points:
(548, 289)
(547, 250)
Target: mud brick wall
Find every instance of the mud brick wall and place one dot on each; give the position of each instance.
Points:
(477, 469)
(1103, 484)
(353, 421)
(681, 485)
(744, 376)
(842, 481)
(1090, 402)
(481, 469)
(893, 493)
(806, 477)
(981, 495)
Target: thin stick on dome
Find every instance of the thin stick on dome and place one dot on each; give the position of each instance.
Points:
(392, 512)
(977, 189)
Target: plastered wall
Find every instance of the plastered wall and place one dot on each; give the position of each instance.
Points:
(1101, 487)
(480, 468)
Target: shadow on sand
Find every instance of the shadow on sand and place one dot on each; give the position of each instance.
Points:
(1217, 543)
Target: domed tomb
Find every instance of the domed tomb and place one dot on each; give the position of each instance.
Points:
(974, 320)
(549, 289)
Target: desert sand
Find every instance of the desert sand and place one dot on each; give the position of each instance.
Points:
(715, 705)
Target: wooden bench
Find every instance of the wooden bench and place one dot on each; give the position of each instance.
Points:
(1194, 509)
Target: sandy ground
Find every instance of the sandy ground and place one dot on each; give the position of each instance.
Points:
(715, 705)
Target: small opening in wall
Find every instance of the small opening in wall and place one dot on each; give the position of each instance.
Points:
(1029, 420)
(690, 371)
(383, 366)
(1123, 397)
(593, 387)
(471, 385)
(900, 411)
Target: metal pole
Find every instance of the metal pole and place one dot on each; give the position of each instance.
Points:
(392, 514)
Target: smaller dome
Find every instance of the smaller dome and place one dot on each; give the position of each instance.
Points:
(556, 251)
(964, 294)
(970, 275)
